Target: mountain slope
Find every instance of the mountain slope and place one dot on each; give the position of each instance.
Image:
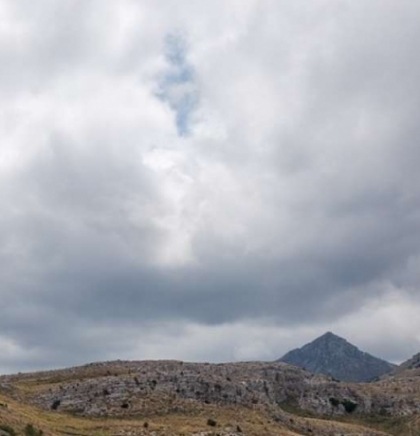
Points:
(413, 363)
(334, 356)
(407, 370)
(172, 398)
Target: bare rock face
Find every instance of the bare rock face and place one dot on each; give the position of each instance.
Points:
(334, 356)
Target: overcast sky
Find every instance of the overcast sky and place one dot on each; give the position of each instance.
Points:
(211, 180)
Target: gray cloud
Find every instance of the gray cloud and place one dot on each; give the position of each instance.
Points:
(285, 201)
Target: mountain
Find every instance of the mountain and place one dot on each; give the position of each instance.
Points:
(334, 356)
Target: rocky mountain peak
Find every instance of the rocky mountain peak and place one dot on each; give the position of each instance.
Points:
(330, 338)
(336, 357)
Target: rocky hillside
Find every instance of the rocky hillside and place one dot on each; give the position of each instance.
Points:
(334, 356)
(410, 364)
(192, 398)
(127, 388)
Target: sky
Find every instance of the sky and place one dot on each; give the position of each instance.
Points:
(213, 180)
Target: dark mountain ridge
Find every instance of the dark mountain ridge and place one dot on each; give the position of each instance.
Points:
(333, 356)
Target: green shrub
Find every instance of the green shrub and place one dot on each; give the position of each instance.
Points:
(349, 406)
(334, 402)
(211, 422)
(55, 405)
(30, 430)
(8, 429)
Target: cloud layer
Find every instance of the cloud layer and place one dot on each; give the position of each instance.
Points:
(207, 181)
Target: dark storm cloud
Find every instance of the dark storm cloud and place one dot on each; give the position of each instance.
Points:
(293, 202)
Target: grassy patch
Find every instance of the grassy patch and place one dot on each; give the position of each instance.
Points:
(394, 425)
(292, 406)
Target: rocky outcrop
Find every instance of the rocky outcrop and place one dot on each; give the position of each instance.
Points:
(133, 387)
(334, 356)
(164, 387)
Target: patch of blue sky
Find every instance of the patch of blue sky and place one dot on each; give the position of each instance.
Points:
(177, 84)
